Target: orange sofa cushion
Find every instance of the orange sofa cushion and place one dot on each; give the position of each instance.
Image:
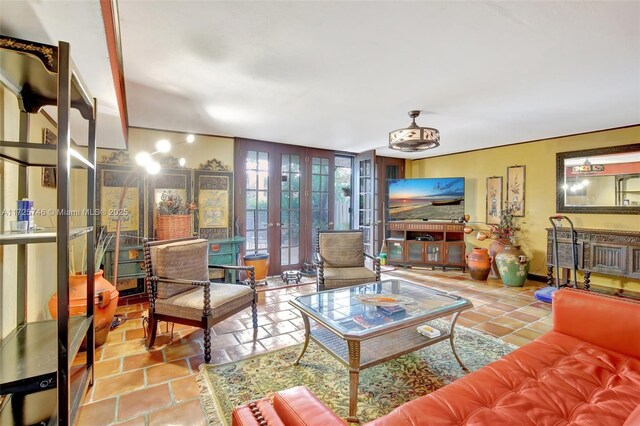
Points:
(555, 380)
(585, 372)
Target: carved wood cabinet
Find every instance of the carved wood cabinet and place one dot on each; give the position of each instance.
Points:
(600, 251)
(434, 244)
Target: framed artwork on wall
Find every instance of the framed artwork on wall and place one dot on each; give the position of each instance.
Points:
(49, 177)
(494, 199)
(515, 189)
(214, 197)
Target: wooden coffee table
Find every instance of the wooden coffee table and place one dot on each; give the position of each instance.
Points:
(360, 332)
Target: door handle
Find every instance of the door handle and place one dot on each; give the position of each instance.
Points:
(330, 223)
(270, 225)
(278, 224)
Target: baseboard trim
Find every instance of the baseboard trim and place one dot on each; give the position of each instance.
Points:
(538, 278)
(594, 287)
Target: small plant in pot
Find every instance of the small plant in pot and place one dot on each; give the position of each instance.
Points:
(106, 295)
(511, 262)
(174, 216)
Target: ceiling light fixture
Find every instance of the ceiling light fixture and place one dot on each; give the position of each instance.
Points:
(143, 158)
(414, 138)
(163, 146)
(153, 168)
(190, 138)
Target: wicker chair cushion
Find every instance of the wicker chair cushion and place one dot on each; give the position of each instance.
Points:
(225, 298)
(342, 249)
(186, 260)
(345, 277)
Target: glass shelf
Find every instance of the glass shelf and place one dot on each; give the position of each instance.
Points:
(47, 235)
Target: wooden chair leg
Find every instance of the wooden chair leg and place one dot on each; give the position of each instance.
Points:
(207, 345)
(254, 314)
(152, 331)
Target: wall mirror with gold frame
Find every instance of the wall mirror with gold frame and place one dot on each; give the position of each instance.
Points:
(601, 180)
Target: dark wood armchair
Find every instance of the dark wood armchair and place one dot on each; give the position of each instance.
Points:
(180, 291)
(340, 260)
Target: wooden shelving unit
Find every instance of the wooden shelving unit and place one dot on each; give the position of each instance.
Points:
(37, 357)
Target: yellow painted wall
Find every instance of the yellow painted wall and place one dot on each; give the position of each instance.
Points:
(539, 157)
(202, 149)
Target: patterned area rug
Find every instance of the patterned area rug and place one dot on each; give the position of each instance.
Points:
(382, 388)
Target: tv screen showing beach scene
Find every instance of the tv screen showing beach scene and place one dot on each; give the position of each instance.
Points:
(426, 198)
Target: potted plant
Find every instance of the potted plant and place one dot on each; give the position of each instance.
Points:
(174, 216)
(511, 262)
(106, 295)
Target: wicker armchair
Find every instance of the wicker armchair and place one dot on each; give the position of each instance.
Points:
(340, 260)
(180, 291)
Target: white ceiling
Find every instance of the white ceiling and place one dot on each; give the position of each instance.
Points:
(342, 74)
(80, 24)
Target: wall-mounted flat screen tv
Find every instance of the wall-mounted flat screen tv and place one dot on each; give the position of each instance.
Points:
(426, 198)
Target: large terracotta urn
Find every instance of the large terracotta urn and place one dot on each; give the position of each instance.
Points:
(106, 301)
(496, 247)
(479, 263)
(513, 266)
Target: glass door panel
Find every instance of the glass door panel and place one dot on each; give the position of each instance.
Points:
(433, 253)
(257, 202)
(365, 197)
(454, 253)
(396, 253)
(414, 251)
(321, 190)
(290, 211)
(342, 197)
(319, 196)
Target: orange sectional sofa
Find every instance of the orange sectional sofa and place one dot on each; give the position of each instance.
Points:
(586, 371)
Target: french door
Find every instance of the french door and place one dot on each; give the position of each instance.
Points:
(371, 174)
(283, 192)
(288, 214)
(364, 183)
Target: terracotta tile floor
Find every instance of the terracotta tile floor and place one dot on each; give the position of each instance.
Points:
(138, 387)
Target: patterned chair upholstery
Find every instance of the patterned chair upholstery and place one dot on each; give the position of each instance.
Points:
(340, 260)
(177, 274)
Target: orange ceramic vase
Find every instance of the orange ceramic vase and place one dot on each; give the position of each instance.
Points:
(479, 263)
(106, 301)
(260, 262)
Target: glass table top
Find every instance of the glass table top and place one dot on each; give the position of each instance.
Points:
(362, 309)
